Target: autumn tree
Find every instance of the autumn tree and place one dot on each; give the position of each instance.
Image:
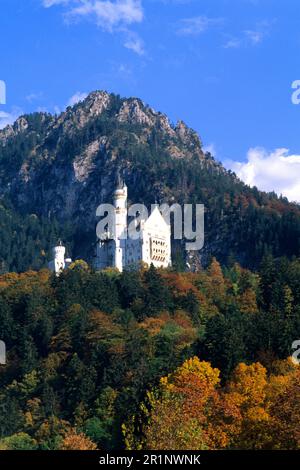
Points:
(285, 410)
(248, 390)
(76, 441)
(185, 412)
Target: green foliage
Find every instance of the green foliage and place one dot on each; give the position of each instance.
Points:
(19, 441)
(84, 347)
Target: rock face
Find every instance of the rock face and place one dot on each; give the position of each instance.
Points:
(69, 161)
(132, 111)
(62, 167)
(78, 117)
(85, 163)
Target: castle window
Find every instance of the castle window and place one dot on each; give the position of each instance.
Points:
(158, 249)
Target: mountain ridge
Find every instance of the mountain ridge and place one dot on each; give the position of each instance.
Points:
(61, 167)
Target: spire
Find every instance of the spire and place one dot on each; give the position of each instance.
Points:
(119, 180)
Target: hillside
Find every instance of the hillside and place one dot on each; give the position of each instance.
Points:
(55, 171)
(85, 368)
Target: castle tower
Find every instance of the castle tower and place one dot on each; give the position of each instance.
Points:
(59, 263)
(120, 235)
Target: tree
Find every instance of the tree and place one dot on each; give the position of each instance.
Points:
(217, 281)
(19, 441)
(247, 302)
(248, 389)
(157, 295)
(185, 412)
(224, 341)
(102, 427)
(168, 428)
(285, 409)
(76, 441)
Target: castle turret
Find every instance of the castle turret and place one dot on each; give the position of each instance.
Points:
(120, 203)
(59, 263)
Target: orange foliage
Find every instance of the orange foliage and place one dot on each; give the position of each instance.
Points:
(27, 281)
(181, 284)
(196, 382)
(77, 441)
(253, 411)
(154, 325)
(103, 329)
(247, 302)
(285, 409)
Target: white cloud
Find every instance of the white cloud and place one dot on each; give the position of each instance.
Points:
(210, 148)
(232, 44)
(197, 25)
(108, 14)
(51, 3)
(9, 118)
(251, 37)
(270, 171)
(123, 69)
(76, 98)
(33, 97)
(135, 44)
(255, 37)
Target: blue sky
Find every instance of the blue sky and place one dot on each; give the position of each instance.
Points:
(223, 66)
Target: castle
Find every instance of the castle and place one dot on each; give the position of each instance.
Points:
(59, 262)
(152, 247)
(118, 250)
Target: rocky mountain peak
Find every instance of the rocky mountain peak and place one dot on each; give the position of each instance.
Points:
(186, 134)
(96, 102)
(20, 125)
(134, 111)
(80, 114)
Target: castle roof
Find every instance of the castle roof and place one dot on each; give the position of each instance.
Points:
(156, 219)
(119, 181)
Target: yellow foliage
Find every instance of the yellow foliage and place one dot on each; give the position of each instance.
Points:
(77, 441)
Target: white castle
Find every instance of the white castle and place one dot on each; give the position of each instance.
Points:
(152, 247)
(119, 250)
(59, 262)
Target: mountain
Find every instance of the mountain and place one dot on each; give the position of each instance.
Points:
(55, 171)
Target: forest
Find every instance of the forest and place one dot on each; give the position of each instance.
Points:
(151, 359)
